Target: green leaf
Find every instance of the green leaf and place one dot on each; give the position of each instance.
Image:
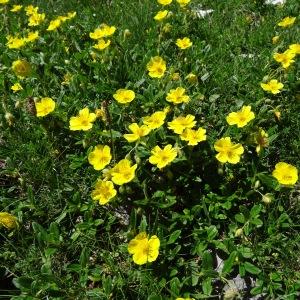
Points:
(174, 236)
(255, 210)
(107, 284)
(246, 252)
(240, 218)
(257, 222)
(74, 268)
(229, 262)
(268, 180)
(22, 282)
(195, 278)
(154, 297)
(50, 251)
(84, 256)
(256, 290)
(242, 270)
(212, 232)
(207, 286)
(251, 268)
(214, 97)
(175, 285)
(207, 261)
(221, 246)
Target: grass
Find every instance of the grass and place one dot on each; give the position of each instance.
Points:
(68, 246)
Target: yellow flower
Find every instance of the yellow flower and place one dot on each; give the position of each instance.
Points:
(285, 173)
(294, 48)
(102, 31)
(164, 2)
(83, 121)
(183, 3)
(261, 139)
(287, 21)
(100, 157)
(184, 43)
(101, 45)
(143, 249)
(54, 24)
(275, 39)
(36, 19)
(62, 18)
(4, 1)
(241, 118)
(15, 42)
(21, 68)
(30, 10)
(177, 96)
(16, 87)
(123, 172)
(44, 107)
(8, 220)
(285, 58)
(103, 192)
(156, 67)
(273, 86)
(71, 14)
(156, 120)
(124, 96)
(228, 152)
(179, 124)
(193, 137)
(137, 132)
(162, 157)
(161, 15)
(32, 36)
(16, 8)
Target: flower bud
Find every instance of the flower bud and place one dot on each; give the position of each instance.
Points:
(220, 170)
(192, 78)
(137, 159)
(275, 39)
(257, 184)
(238, 232)
(9, 118)
(231, 294)
(17, 104)
(277, 114)
(126, 33)
(267, 198)
(84, 143)
(176, 76)
(122, 189)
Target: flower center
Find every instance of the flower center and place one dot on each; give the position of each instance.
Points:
(85, 122)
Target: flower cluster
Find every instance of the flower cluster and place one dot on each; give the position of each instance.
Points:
(54, 24)
(150, 127)
(103, 31)
(16, 42)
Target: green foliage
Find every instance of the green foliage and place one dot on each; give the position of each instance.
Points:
(214, 221)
